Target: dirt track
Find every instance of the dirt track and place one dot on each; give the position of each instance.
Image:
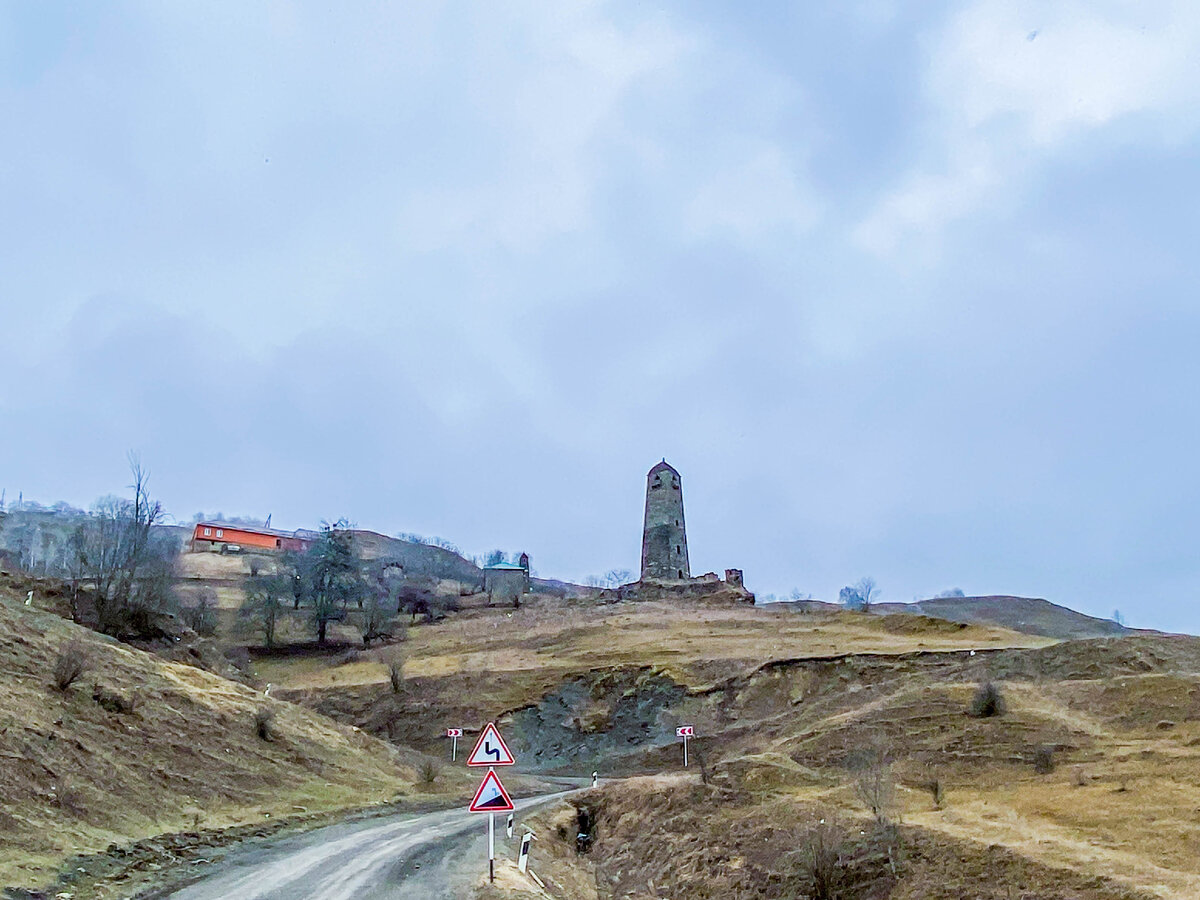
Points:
(420, 856)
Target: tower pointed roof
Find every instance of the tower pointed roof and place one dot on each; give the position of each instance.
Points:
(663, 466)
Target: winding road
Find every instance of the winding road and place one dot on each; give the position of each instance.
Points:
(422, 856)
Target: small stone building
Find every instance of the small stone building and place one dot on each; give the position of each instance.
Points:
(505, 583)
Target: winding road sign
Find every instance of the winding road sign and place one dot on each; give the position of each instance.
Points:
(491, 796)
(490, 749)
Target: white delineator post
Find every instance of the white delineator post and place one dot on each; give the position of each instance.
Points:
(523, 857)
(491, 846)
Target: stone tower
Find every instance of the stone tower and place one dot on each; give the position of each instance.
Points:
(664, 538)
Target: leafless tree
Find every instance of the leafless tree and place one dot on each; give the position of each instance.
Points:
(201, 616)
(129, 567)
(264, 606)
(874, 784)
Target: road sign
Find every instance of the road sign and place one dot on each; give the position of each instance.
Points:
(685, 732)
(491, 796)
(490, 749)
(453, 732)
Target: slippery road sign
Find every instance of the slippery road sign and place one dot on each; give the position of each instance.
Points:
(491, 796)
(490, 749)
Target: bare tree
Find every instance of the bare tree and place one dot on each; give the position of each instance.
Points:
(874, 784)
(117, 552)
(201, 616)
(264, 606)
(868, 591)
(377, 611)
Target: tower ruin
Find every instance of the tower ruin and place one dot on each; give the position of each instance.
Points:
(664, 537)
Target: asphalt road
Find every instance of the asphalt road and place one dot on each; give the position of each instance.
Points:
(422, 856)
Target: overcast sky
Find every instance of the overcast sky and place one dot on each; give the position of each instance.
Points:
(902, 290)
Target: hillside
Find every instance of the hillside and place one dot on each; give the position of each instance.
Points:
(1084, 787)
(139, 746)
(1024, 614)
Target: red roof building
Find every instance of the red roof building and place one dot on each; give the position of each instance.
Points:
(217, 535)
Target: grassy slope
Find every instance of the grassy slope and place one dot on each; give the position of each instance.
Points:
(76, 777)
(1122, 714)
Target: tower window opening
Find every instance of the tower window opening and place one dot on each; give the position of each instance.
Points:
(677, 550)
(681, 573)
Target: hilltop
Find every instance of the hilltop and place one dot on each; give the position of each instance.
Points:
(1024, 614)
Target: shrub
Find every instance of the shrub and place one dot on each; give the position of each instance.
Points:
(72, 661)
(874, 785)
(396, 674)
(987, 702)
(68, 797)
(1043, 760)
(428, 773)
(115, 701)
(936, 789)
(264, 723)
(821, 861)
(201, 617)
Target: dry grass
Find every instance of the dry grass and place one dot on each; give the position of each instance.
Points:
(78, 776)
(694, 643)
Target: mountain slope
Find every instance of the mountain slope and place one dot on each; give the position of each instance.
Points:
(1024, 614)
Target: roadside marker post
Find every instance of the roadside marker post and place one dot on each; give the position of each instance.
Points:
(595, 779)
(454, 734)
(508, 825)
(491, 798)
(523, 856)
(685, 732)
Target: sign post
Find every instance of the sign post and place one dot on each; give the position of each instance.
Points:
(454, 734)
(491, 798)
(685, 732)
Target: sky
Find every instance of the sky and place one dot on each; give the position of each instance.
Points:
(902, 290)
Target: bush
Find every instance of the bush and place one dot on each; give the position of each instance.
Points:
(72, 661)
(428, 773)
(115, 701)
(68, 797)
(821, 861)
(987, 702)
(934, 786)
(1043, 760)
(202, 616)
(264, 723)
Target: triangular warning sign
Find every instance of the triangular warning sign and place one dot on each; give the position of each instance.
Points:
(491, 796)
(490, 749)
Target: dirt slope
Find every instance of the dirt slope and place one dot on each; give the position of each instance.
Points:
(78, 774)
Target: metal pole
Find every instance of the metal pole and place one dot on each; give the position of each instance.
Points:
(685, 751)
(491, 846)
(453, 749)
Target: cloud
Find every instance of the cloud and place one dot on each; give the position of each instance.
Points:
(1011, 86)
